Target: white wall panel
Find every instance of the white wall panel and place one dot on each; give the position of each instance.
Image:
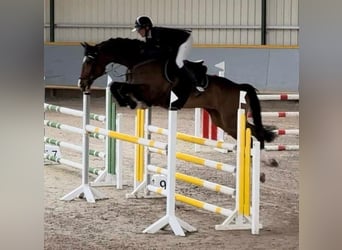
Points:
(212, 21)
(215, 39)
(282, 22)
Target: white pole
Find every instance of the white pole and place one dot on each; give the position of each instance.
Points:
(108, 102)
(256, 188)
(220, 132)
(85, 139)
(171, 181)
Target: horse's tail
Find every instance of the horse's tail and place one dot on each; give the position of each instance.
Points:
(263, 133)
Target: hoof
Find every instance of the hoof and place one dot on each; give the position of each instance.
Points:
(273, 163)
(132, 105)
(121, 103)
(262, 177)
(142, 105)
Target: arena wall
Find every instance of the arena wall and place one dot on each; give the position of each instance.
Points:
(268, 69)
(223, 30)
(213, 22)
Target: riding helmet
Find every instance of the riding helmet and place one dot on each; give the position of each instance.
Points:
(142, 22)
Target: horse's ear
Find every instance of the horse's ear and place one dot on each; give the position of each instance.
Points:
(85, 44)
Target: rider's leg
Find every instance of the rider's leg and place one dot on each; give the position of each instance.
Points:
(182, 54)
(182, 91)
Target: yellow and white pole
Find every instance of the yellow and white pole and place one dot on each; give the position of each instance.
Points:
(139, 149)
(241, 160)
(247, 166)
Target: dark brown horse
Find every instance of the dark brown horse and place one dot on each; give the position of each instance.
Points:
(147, 83)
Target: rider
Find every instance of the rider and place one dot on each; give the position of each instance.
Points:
(174, 43)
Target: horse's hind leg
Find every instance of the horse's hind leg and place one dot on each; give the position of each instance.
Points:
(267, 161)
(229, 125)
(256, 134)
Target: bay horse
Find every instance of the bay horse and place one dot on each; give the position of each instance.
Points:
(146, 82)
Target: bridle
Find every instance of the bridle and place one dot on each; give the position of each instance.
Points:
(90, 59)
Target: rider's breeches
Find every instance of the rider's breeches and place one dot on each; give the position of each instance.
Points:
(183, 52)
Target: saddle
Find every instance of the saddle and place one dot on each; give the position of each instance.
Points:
(184, 89)
(171, 71)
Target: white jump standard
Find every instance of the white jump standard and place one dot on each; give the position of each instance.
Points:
(85, 190)
(112, 174)
(177, 225)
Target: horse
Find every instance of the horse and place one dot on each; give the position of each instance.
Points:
(147, 83)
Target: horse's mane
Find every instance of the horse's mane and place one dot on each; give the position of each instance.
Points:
(121, 43)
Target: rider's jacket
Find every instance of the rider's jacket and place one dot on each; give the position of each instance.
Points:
(166, 41)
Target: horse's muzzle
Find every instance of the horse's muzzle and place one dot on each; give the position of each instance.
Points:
(84, 84)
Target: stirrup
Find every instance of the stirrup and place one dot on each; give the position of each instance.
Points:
(200, 89)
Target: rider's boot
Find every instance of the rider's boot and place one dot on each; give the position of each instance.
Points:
(192, 78)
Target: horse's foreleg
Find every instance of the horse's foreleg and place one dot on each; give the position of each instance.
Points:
(115, 90)
(126, 90)
(120, 92)
(140, 93)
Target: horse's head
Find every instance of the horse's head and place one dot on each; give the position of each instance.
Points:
(93, 66)
(124, 51)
